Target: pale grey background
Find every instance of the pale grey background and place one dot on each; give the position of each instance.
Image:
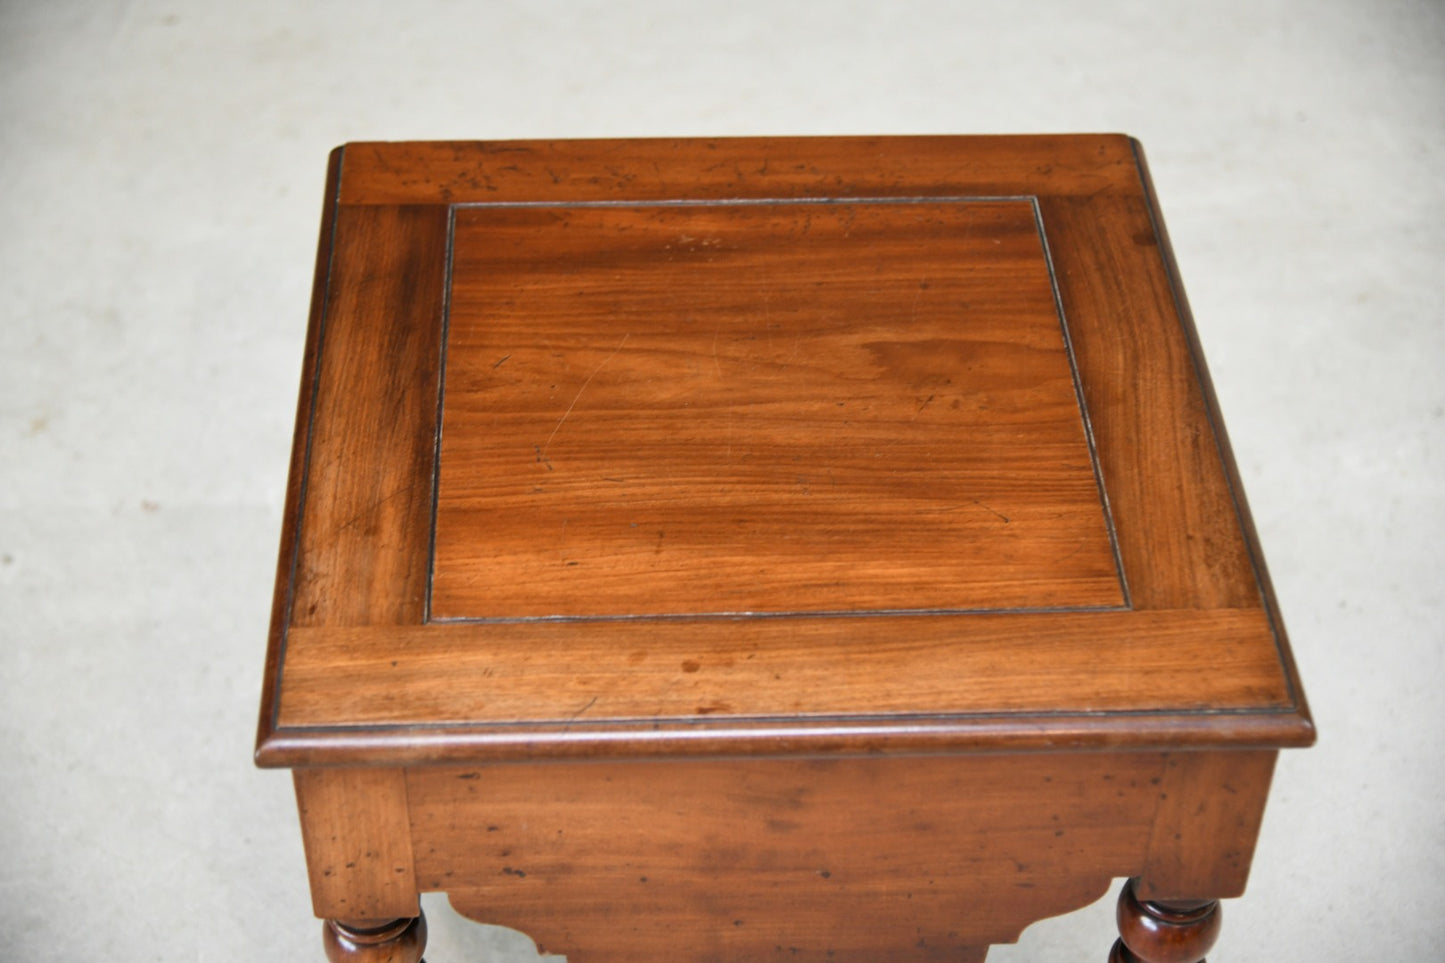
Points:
(161, 167)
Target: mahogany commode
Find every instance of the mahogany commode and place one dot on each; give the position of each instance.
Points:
(727, 550)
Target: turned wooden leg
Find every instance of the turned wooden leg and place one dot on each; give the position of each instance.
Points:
(375, 941)
(1166, 931)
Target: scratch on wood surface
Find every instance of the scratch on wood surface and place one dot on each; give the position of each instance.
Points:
(991, 510)
(380, 157)
(367, 510)
(542, 451)
(590, 703)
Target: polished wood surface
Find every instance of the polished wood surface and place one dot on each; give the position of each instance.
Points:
(1173, 932)
(833, 859)
(1208, 811)
(813, 860)
(353, 561)
(766, 549)
(742, 405)
(371, 941)
(470, 172)
(354, 826)
(758, 668)
(761, 408)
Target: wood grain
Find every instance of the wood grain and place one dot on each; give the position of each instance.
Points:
(761, 408)
(1211, 807)
(897, 859)
(296, 476)
(1221, 437)
(1182, 544)
(662, 671)
(358, 848)
(586, 472)
(367, 509)
(740, 542)
(654, 169)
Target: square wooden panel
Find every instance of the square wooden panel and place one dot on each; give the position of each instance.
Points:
(771, 406)
(760, 446)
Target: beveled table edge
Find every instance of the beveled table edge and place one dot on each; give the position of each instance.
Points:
(976, 734)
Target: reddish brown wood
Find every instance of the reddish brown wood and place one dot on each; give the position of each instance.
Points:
(1164, 932)
(1181, 544)
(749, 669)
(354, 825)
(761, 408)
(1226, 453)
(281, 593)
(659, 169)
(1210, 808)
(375, 941)
(816, 547)
(367, 511)
(649, 400)
(909, 858)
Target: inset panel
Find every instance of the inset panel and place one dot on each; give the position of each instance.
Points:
(679, 409)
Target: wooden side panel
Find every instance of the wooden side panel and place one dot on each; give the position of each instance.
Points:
(586, 170)
(367, 503)
(865, 859)
(1211, 805)
(1179, 535)
(358, 847)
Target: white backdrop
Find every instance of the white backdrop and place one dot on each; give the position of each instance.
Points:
(161, 168)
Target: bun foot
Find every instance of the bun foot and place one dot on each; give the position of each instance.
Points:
(375, 941)
(1167, 931)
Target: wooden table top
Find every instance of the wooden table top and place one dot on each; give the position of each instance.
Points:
(760, 446)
